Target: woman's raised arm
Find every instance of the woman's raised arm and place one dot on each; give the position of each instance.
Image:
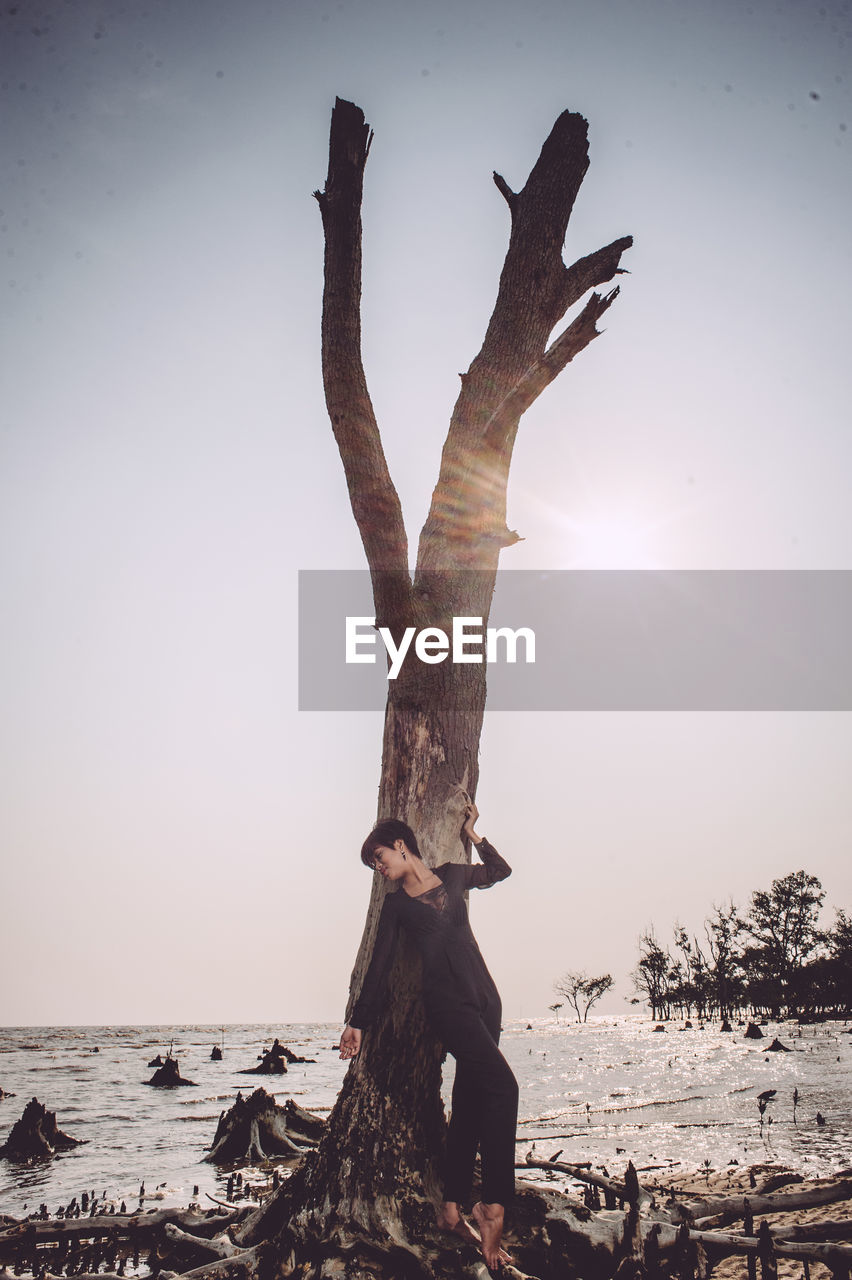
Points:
(493, 867)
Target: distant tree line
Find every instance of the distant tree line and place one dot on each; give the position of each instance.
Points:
(774, 960)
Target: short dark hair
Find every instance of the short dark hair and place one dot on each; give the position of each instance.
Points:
(385, 833)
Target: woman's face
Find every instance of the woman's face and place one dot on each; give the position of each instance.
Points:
(389, 861)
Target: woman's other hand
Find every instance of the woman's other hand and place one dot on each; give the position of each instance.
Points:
(350, 1042)
(471, 813)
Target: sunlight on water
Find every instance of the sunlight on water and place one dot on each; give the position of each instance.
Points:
(616, 1090)
(606, 1092)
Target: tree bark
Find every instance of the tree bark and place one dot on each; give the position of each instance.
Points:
(376, 1171)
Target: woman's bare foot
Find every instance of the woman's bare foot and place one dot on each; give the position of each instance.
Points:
(489, 1219)
(449, 1218)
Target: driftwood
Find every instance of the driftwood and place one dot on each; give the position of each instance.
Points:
(552, 1235)
(244, 1263)
(168, 1076)
(36, 1134)
(256, 1128)
(723, 1209)
(196, 1251)
(93, 1245)
(107, 1224)
(176, 1239)
(841, 1229)
(616, 1192)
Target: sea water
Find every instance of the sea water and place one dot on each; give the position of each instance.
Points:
(604, 1092)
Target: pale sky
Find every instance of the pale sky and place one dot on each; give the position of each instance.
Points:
(179, 842)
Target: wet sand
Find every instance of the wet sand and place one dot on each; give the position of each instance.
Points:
(737, 1180)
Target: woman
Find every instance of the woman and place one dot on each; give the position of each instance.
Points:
(463, 1007)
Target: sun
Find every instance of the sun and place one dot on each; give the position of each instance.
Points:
(612, 539)
(625, 530)
(609, 540)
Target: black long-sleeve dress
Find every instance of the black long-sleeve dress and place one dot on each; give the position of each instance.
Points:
(463, 1006)
(454, 971)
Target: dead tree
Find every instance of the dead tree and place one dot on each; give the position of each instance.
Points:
(375, 1172)
(388, 1122)
(368, 1191)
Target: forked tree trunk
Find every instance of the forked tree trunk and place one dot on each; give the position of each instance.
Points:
(376, 1171)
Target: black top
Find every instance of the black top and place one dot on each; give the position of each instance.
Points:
(453, 969)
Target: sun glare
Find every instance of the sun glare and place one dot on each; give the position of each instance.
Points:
(612, 542)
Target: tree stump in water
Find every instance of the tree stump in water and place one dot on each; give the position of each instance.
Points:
(753, 1032)
(256, 1128)
(274, 1061)
(37, 1134)
(168, 1076)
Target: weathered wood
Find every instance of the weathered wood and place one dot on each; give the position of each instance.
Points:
(375, 503)
(630, 1253)
(219, 1246)
(114, 1224)
(766, 1253)
(36, 1134)
(302, 1124)
(840, 1229)
(618, 1190)
(723, 1243)
(168, 1076)
(257, 1128)
(243, 1266)
(731, 1208)
(552, 1232)
(94, 1275)
(748, 1230)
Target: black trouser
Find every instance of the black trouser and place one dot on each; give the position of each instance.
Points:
(484, 1105)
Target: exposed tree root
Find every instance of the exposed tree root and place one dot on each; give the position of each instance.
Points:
(114, 1224)
(220, 1246)
(244, 1265)
(552, 1236)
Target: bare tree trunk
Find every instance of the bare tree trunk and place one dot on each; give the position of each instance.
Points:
(376, 1170)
